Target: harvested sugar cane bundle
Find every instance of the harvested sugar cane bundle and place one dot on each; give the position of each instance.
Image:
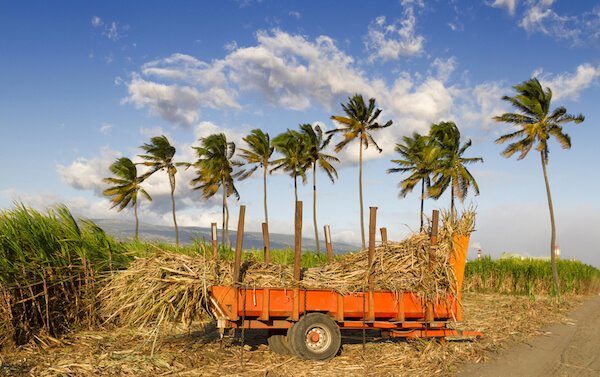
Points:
(173, 287)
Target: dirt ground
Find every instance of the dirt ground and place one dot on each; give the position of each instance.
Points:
(569, 348)
(506, 321)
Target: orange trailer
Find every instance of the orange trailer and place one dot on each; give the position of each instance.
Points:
(307, 322)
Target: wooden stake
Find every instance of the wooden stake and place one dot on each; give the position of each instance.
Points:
(266, 245)
(328, 243)
(213, 236)
(435, 219)
(372, 227)
(238, 245)
(383, 235)
(297, 240)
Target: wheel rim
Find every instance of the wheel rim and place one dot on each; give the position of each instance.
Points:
(317, 339)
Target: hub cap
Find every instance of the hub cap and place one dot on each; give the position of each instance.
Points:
(317, 339)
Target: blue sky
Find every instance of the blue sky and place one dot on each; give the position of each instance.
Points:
(83, 83)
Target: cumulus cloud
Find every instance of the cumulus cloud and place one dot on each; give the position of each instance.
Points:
(88, 173)
(390, 41)
(482, 102)
(176, 104)
(291, 72)
(570, 85)
(509, 5)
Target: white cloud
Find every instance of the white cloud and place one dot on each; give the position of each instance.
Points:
(510, 5)
(173, 103)
(96, 21)
(87, 174)
(112, 31)
(479, 104)
(295, 73)
(541, 18)
(394, 40)
(444, 68)
(569, 85)
(295, 14)
(105, 128)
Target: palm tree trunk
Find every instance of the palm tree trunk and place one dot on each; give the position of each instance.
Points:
(295, 189)
(137, 222)
(315, 207)
(422, 202)
(223, 214)
(360, 194)
(265, 192)
(226, 215)
(452, 199)
(172, 182)
(553, 225)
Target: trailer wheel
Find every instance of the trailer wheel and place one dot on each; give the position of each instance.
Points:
(315, 337)
(278, 343)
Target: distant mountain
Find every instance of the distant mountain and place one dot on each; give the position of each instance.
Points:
(123, 230)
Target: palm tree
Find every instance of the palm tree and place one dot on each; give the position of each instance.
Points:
(450, 169)
(214, 167)
(359, 122)
(291, 145)
(159, 156)
(315, 144)
(419, 157)
(537, 124)
(126, 187)
(258, 153)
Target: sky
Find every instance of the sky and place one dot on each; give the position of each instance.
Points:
(83, 83)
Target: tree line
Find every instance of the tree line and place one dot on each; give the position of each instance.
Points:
(435, 161)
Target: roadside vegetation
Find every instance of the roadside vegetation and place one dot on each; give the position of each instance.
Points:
(49, 270)
(52, 267)
(530, 276)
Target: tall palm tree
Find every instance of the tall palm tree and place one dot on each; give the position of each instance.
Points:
(215, 169)
(450, 169)
(314, 156)
(291, 145)
(258, 153)
(359, 122)
(159, 156)
(537, 123)
(126, 185)
(418, 158)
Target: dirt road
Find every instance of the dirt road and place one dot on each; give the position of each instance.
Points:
(566, 349)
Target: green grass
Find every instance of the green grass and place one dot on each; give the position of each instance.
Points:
(529, 276)
(49, 267)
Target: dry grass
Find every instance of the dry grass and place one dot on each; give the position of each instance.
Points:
(172, 287)
(504, 319)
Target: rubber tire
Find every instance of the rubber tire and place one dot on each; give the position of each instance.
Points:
(297, 337)
(278, 344)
